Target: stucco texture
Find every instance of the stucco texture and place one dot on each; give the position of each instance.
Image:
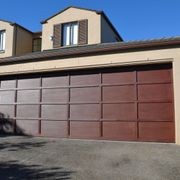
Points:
(9, 46)
(70, 15)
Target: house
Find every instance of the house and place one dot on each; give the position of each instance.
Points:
(78, 27)
(16, 40)
(86, 82)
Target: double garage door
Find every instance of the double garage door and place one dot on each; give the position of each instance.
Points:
(127, 103)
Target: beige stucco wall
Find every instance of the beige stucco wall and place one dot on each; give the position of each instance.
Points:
(107, 34)
(119, 59)
(9, 39)
(23, 41)
(176, 76)
(72, 14)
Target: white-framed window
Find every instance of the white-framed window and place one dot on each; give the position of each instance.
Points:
(70, 34)
(2, 40)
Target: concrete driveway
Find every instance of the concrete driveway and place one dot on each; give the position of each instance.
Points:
(46, 158)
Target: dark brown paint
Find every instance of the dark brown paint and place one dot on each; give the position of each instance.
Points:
(127, 103)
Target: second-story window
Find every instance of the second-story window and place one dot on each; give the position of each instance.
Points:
(2, 40)
(70, 34)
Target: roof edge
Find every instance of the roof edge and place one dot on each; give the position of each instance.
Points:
(96, 49)
(16, 24)
(10, 22)
(45, 21)
(110, 24)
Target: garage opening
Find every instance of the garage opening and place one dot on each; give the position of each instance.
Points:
(125, 103)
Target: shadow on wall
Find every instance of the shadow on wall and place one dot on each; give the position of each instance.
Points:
(15, 171)
(7, 126)
(7, 129)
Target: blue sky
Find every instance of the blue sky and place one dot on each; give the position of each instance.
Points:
(134, 19)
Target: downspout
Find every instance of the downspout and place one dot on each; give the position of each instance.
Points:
(15, 40)
(16, 34)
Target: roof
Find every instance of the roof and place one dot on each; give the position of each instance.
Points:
(16, 24)
(96, 49)
(96, 11)
(111, 25)
(6, 21)
(44, 21)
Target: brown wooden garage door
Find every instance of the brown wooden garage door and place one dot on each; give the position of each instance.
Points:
(128, 103)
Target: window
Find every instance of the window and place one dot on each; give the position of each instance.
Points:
(2, 40)
(70, 34)
(36, 44)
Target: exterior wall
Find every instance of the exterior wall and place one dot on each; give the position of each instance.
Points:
(23, 41)
(9, 46)
(176, 76)
(119, 59)
(107, 34)
(70, 15)
(108, 60)
(37, 35)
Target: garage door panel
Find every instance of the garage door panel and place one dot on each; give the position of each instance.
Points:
(91, 94)
(58, 112)
(120, 130)
(122, 112)
(85, 80)
(6, 84)
(155, 92)
(28, 111)
(27, 127)
(156, 131)
(54, 128)
(7, 111)
(118, 78)
(28, 96)
(55, 95)
(85, 112)
(155, 111)
(29, 83)
(154, 76)
(123, 103)
(85, 129)
(7, 97)
(55, 81)
(119, 93)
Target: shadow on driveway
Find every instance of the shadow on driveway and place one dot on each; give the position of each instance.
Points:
(13, 170)
(10, 146)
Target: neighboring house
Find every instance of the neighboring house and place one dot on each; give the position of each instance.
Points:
(75, 25)
(87, 83)
(16, 40)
